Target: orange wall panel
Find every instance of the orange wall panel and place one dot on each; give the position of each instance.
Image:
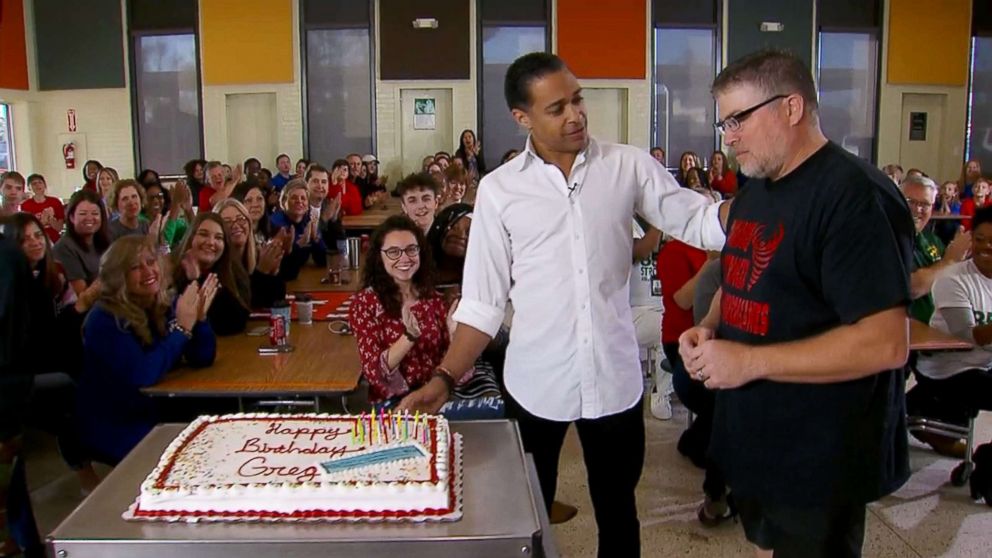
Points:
(929, 42)
(13, 50)
(246, 41)
(603, 40)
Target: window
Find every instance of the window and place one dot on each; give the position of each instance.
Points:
(167, 101)
(501, 45)
(979, 131)
(339, 94)
(6, 139)
(685, 65)
(508, 29)
(848, 77)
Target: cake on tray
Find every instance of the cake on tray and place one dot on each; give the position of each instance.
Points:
(306, 467)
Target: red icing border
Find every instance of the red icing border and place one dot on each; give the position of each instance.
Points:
(328, 514)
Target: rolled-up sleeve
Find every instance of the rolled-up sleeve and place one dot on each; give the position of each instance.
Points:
(680, 212)
(486, 278)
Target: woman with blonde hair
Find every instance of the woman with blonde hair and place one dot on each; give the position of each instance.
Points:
(261, 262)
(134, 335)
(105, 180)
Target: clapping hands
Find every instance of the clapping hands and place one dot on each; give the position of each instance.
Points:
(194, 303)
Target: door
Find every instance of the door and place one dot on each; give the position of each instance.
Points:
(425, 126)
(922, 128)
(251, 128)
(607, 112)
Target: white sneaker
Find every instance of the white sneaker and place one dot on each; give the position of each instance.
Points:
(661, 405)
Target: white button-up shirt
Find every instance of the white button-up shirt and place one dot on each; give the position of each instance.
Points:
(560, 250)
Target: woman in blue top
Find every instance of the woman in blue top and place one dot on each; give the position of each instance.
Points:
(295, 212)
(131, 338)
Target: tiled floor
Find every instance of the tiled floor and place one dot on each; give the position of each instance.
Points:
(927, 518)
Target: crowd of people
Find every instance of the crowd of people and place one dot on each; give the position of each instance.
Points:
(460, 313)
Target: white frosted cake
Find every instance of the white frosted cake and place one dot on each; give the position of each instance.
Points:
(310, 467)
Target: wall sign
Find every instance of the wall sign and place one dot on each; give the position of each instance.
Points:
(424, 113)
(917, 126)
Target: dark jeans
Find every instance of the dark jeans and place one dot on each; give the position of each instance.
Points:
(20, 515)
(613, 451)
(695, 440)
(955, 399)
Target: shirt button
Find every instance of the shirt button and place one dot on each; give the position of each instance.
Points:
(581, 271)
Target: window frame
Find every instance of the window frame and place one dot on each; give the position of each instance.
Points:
(480, 25)
(875, 33)
(717, 66)
(304, 82)
(9, 139)
(133, 38)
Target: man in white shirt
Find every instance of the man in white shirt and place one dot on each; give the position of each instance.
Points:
(551, 232)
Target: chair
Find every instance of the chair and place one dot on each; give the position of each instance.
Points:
(961, 473)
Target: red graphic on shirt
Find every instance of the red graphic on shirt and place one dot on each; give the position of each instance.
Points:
(742, 272)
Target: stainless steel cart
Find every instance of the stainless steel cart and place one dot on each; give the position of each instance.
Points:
(502, 515)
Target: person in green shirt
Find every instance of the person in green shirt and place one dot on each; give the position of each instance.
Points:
(180, 215)
(930, 256)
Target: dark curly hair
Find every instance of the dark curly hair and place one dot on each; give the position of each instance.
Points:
(375, 276)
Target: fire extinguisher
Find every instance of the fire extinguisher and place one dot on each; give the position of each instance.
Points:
(69, 154)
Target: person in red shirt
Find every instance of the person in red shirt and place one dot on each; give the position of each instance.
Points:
(351, 195)
(980, 198)
(678, 264)
(48, 209)
(722, 179)
(218, 186)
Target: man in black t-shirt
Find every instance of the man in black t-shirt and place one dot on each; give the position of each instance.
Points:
(807, 344)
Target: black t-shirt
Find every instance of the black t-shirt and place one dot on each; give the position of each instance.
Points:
(826, 245)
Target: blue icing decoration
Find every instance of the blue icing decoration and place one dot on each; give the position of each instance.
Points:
(374, 457)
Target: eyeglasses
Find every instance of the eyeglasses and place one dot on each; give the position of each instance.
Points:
(920, 205)
(733, 122)
(239, 220)
(411, 251)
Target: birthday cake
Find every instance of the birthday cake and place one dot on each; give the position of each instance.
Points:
(306, 467)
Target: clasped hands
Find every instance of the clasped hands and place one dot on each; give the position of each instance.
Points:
(719, 364)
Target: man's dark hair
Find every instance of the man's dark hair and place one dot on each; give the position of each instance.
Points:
(982, 216)
(339, 163)
(775, 72)
(524, 70)
(13, 175)
(35, 176)
(281, 155)
(315, 168)
(418, 181)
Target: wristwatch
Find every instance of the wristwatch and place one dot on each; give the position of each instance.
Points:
(411, 337)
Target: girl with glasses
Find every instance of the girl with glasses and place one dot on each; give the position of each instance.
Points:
(402, 325)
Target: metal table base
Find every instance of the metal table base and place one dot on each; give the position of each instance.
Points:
(503, 515)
